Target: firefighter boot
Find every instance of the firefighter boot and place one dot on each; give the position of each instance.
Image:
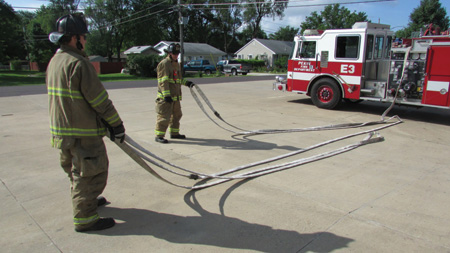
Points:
(178, 136)
(101, 201)
(102, 223)
(161, 139)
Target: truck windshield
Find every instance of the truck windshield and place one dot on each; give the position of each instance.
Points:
(307, 49)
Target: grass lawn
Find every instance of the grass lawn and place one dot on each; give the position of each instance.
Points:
(16, 78)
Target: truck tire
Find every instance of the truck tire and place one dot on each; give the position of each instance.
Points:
(207, 71)
(326, 94)
(234, 72)
(244, 73)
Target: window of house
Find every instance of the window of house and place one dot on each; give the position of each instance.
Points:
(250, 56)
(347, 47)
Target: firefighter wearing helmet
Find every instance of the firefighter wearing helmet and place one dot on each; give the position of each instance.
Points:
(168, 106)
(81, 113)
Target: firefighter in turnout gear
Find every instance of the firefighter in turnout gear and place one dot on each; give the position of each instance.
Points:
(168, 106)
(80, 115)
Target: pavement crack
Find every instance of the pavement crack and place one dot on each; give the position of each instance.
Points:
(30, 216)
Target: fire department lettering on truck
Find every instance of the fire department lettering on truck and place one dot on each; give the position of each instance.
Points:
(304, 66)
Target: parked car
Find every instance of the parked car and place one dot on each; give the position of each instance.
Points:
(199, 65)
(234, 67)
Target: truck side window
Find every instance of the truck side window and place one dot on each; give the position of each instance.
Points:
(307, 49)
(379, 44)
(347, 47)
(388, 47)
(369, 48)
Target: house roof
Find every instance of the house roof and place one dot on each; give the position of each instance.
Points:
(97, 58)
(141, 49)
(276, 46)
(194, 48)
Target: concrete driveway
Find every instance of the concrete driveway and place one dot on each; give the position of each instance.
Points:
(391, 196)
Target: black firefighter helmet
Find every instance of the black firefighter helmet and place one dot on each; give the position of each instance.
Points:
(72, 24)
(174, 48)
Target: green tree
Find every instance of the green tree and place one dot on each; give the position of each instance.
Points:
(333, 17)
(428, 12)
(286, 33)
(11, 34)
(113, 19)
(248, 34)
(256, 10)
(40, 49)
(224, 27)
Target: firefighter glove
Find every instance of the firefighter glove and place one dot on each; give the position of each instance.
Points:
(117, 132)
(168, 99)
(190, 84)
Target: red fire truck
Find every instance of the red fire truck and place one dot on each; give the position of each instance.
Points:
(361, 64)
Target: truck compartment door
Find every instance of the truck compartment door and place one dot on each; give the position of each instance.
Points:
(437, 80)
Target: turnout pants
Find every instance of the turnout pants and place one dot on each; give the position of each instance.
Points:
(168, 116)
(86, 163)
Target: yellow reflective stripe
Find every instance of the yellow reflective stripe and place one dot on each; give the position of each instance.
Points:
(83, 221)
(62, 131)
(60, 92)
(159, 133)
(99, 99)
(174, 130)
(162, 79)
(111, 120)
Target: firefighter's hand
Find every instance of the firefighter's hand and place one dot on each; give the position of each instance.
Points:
(118, 133)
(190, 84)
(168, 99)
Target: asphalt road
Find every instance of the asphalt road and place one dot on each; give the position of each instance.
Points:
(10, 91)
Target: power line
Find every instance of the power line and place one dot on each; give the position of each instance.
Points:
(294, 6)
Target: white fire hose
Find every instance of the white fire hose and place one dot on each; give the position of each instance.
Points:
(139, 153)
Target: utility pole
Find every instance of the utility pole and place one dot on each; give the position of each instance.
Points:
(180, 21)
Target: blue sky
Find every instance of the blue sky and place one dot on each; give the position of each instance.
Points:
(394, 13)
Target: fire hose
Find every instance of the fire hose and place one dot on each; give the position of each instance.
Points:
(140, 155)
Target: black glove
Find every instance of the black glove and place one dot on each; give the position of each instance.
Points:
(117, 132)
(190, 84)
(168, 99)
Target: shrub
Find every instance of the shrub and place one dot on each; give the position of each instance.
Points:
(281, 64)
(15, 65)
(143, 65)
(255, 63)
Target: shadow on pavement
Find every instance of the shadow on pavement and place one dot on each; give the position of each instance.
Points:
(246, 144)
(215, 230)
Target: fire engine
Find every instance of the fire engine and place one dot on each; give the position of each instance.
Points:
(362, 63)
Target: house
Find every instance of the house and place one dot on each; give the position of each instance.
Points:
(97, 58)
(194, 51)
(142, 50)
(267, 50)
